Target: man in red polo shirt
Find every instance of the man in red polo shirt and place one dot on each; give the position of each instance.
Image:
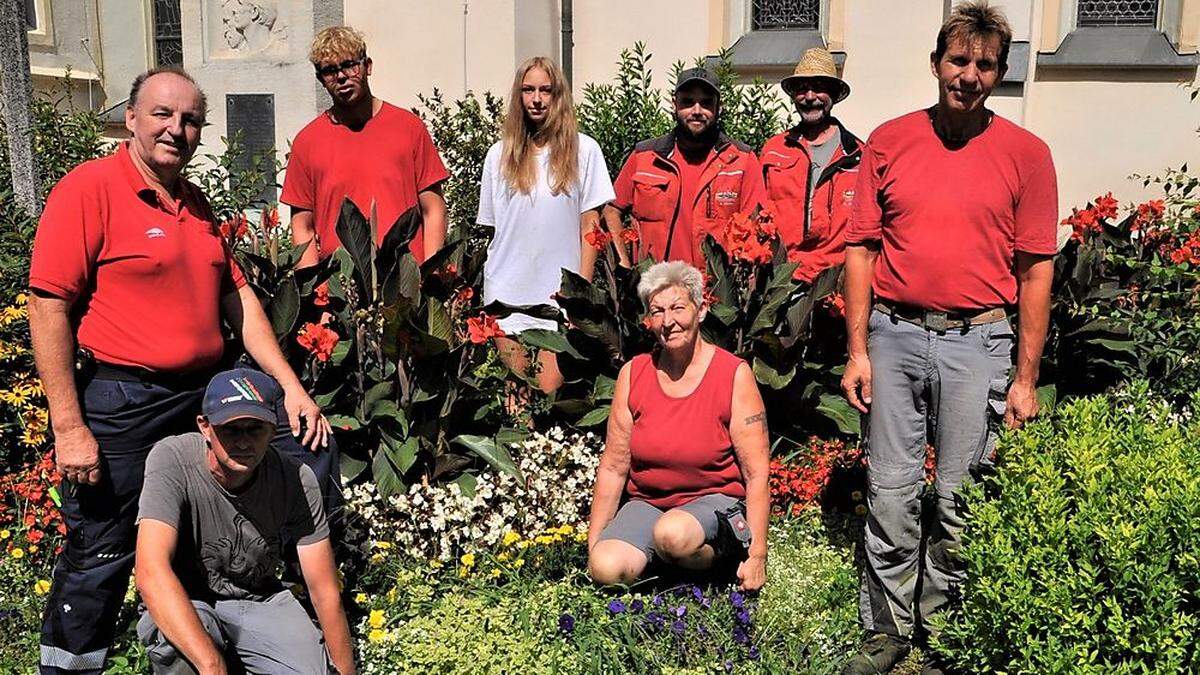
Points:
(363, 148)
(130, 281)
(810, 170)
(686, 184)
(954, 223)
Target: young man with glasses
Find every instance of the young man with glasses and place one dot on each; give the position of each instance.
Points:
(810, 170)
(364, 149)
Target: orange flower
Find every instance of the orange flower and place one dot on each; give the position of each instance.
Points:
(630, 235)
(1150, 212)
(483, 328)
(1105, 206)
(318, 340)
(598, 239)
(270, 219)
(835, 303)
(321, 294)
(1082, 222)
(465, 294)
(747, 238)
(234, 228)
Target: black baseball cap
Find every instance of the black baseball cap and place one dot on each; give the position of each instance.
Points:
(702, 75)
(240, 393)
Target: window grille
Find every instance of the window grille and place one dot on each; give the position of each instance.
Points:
(168, 33)
(1118, 12)
(786, 14)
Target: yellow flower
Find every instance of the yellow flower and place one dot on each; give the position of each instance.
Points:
(375, 620)
(18, 553)
(391, 595)
(543, 539)
(377, 558)
(581, 537)
(518, 562)
(524, 543)
(361, 598)
(468, 560)
(384, 545)
(565, 530)
(502, 557)
(376, 635)
(494, 573)
(435, 563)
(511, 538)
(5, 534)
(42, 587)
(32, 548)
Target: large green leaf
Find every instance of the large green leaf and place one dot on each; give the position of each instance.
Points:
(550, 340)
(344, 422)
(768, 375)
(351, 467)
(395, 242)
(837, 409)
(388, 409)
(402, 455)
(438, 323)
(598, 415)
(357, 238)
(775, 294)
(387, 479)
(491, 453)
(603, 388)
(285, 307)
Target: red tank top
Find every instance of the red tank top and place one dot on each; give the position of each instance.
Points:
(680, 447)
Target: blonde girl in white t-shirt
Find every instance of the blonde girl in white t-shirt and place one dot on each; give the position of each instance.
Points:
(542, 186)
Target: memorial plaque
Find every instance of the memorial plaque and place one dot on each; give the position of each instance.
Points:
(250, 118)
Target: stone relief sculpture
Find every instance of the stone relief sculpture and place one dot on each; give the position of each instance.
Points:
(250, 25)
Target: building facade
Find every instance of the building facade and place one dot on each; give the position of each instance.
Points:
(1104, 82)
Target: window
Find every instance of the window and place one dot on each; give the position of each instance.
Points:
(786, 14)
(168, 33)
(1118, 12)
(31, 17)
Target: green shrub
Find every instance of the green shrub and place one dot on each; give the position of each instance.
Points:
(1084, 549)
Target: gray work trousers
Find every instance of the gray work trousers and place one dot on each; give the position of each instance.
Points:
(257, 636)
(948, 388)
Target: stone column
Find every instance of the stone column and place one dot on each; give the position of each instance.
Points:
(16, 92)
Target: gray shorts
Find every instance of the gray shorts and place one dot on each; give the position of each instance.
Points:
(268, 636)
(634, 522)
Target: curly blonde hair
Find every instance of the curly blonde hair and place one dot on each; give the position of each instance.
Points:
(336, 43)
(971, 20)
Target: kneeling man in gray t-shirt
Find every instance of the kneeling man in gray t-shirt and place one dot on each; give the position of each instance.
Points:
(217, 511)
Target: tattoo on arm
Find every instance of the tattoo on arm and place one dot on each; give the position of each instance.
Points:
(757, 417)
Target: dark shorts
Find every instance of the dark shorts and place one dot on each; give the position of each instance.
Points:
(634, 522)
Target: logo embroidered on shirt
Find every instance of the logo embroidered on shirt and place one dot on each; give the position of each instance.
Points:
(727, 197)
(155, 233)
(847, 196)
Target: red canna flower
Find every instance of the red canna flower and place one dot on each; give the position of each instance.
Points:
(321, 294)
(835, 303)
(234, 228)
(630, 235)
(1105, 206)
(318, 340)
(598, 239)
(270, 219)
(483, 328)
(1150, 212)
(464, 294)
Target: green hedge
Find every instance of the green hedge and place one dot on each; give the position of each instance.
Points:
(1084, 550)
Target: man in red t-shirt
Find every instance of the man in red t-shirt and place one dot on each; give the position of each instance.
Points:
(364, 149)
(954, 223)
(130, 281)
(686, 184)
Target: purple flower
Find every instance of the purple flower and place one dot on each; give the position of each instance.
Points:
(729, 666)
(566, 623)
(657, 601)
(681, 611)
(753, 653)
(678, 626)
(706, 603)
(739, 635)
(737, 599)
(697, 593)
(616, 606)
(743, 617)
(655, 621)
(637, 606)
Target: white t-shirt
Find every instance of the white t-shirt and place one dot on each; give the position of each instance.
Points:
(537, 234)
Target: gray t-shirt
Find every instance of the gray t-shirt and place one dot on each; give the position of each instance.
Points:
(819, 156)
(230, 545)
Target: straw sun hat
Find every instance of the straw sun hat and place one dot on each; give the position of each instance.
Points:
(816, 63)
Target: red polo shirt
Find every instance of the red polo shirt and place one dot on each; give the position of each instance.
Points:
(390, 161)
(144, 276)
(950, 221)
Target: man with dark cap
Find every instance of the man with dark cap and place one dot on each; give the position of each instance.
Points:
(219, 512)
(810, 170)
(685, 184)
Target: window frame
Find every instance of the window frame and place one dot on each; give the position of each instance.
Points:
(155, 38)
(43, 34)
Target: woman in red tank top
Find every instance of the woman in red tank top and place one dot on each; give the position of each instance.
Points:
(686, 448)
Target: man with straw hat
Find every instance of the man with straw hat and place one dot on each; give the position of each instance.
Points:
(810, 170)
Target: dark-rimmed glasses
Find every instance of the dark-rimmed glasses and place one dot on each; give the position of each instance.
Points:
(349, 67)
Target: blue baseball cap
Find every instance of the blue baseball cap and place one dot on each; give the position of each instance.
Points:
(240, 393)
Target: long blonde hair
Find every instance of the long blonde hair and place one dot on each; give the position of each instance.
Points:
(559, 131)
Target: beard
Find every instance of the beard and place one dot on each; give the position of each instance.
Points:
(709, 136)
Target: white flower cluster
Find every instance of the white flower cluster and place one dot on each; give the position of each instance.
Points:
(440, 520)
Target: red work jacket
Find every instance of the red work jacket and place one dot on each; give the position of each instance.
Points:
(813, 229)
(650, 186)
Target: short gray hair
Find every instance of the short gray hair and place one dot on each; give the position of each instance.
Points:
(140, 80)
(663, 275)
